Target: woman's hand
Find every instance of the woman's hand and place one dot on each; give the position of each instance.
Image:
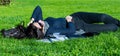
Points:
(42, 22)
(37, 25)
(68, 18)
(43, 25)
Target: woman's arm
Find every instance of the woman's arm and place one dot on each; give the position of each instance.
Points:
(31, 21)
(70, 28)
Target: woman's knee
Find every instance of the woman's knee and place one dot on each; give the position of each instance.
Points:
(106, 16)
(107, 19)
(113, 27)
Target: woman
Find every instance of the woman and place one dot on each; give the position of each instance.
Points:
(51, 25)
(74, 25)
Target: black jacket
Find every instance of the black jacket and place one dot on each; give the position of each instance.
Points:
(60, 25)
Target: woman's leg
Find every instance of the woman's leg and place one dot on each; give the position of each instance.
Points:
(37, 14)
(89, 17)
(107, 19)
(100, 27)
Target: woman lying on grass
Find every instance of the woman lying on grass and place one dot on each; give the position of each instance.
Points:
(75, 25)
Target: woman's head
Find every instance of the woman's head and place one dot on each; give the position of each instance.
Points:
(35, 30)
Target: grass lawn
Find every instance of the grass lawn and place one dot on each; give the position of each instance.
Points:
(105, 44)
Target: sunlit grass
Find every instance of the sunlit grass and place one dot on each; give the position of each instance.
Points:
(105, 44)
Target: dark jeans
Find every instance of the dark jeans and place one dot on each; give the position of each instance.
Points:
(85, 21)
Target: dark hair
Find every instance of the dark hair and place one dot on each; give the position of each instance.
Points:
(33, 31)
(17, 32)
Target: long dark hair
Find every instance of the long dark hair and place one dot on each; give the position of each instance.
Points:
(17, 32)
(33, 31)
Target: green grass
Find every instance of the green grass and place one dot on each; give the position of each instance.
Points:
(105, 44)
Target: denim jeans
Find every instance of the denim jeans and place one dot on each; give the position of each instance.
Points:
(89, 22)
